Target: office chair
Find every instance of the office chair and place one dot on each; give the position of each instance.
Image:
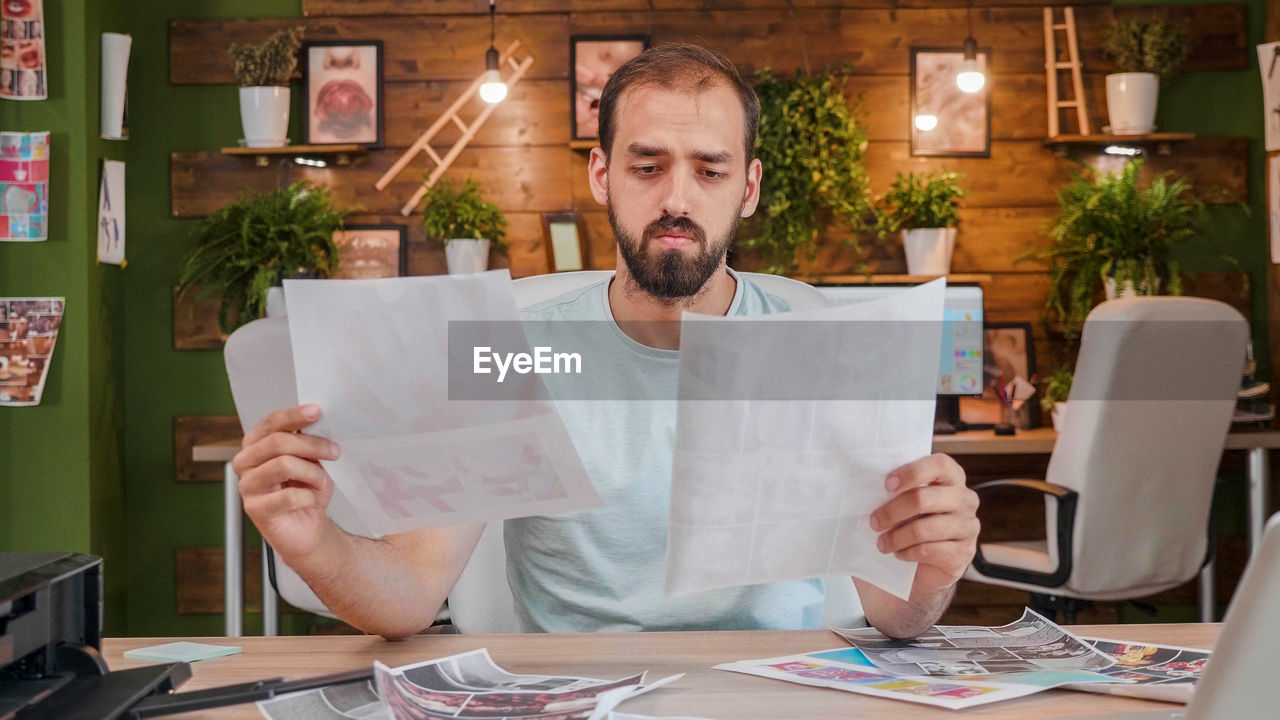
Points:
(1129, 488)
(259, 362)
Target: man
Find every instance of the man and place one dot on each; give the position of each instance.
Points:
(675, 168)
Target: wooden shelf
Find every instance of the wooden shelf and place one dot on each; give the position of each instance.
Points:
(978, 278)
(341, 154)
(583, 144)
(1162, 141)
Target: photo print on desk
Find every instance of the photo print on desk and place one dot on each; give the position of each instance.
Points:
(342, 92)
(23, 70)
(28, 334)
(24, 186)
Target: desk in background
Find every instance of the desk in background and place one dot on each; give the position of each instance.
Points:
(1038, 441)
(702, 692)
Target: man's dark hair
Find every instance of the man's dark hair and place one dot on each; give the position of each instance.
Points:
(677, 65)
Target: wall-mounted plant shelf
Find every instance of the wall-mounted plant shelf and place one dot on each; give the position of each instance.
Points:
(583, 144)
(1162, 142)
(262, 157)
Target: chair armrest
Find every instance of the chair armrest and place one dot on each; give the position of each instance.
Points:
(1066, 504)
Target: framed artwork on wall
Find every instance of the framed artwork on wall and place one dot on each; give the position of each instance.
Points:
(563, 235)
(592, 59)
(945, 120)
(342, 92)
(371, 251)
(1008, 351)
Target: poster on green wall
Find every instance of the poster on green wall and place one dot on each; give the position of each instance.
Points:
(22, 57)
(28, 332)
(24, 186)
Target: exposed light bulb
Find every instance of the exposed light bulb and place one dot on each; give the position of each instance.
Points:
(970, 79)
(925, 123)
(493, 90)
(1122, 150)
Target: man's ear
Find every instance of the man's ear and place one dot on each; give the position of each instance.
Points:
(598, 175)
(751, 196)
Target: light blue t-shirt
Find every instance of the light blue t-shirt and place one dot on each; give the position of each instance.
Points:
(603, 569)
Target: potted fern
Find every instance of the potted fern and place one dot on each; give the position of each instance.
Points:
(246, 248)
(457, 215)
(1109, 231)
(1145, 50)
(1057, 387)
(263, 73)
(925, 209)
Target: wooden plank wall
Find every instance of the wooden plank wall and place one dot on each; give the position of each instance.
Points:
(433, 48)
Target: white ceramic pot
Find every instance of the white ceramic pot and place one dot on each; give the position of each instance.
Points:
(466, 255)
(1125, 291)
(264, 114)
(1059, 416)
(1131, 102)
(929, 250)
(275, 302)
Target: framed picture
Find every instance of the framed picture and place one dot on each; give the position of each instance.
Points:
(342, 92)
(945, 120)
(592, 59)
(563, 234)
(371, 251)
(1008, 351)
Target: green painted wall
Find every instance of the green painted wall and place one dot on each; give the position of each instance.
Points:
(61, 463)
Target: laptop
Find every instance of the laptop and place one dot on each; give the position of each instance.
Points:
(1238, 681)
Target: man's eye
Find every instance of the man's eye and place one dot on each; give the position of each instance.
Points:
(713, 174)
(645, 170)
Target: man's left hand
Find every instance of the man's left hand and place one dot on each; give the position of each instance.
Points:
(931, 520)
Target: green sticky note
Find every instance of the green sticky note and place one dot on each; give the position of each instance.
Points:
(180, 652)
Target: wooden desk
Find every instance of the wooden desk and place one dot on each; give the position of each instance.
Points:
(702, 692)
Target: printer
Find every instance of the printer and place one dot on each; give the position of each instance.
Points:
(51, 664)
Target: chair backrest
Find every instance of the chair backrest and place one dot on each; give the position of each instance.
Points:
(1149, 409)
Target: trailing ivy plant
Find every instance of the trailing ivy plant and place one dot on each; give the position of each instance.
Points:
(1145, 44)
(244, 248)
(811, 143)
(272, 63)
(1109, 227)
(455, 210)
(925, 201)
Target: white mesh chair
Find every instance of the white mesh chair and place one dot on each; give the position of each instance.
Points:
(1130, 483)
(259, 363)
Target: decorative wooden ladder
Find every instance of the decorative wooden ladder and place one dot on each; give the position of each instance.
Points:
(1052, 65)
(469, 130)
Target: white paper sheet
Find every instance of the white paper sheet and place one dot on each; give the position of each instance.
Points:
(374, 355)
(111, 213)
(1273, 204)
(1269, 67)
(771, 490)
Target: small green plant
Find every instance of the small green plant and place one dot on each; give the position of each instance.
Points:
(272, 63)
(244, 248)
(811, 142)
(1146, 44)
(925, 201)
(1109, 227)
(455, 210)
(1057, 387)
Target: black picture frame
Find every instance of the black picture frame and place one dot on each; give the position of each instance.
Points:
(933, 71)
(401, 254)
(313, 133)
(984, 411)
(641, 43)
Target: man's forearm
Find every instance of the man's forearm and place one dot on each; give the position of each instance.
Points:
(900, 618)
(369, 585)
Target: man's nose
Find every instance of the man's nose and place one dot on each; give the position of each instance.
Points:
(676, 201)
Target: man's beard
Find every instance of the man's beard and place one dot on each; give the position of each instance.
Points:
(670, 275)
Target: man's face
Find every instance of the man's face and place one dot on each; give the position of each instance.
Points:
(677, 184)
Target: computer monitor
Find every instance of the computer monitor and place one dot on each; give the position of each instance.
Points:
(960, 367)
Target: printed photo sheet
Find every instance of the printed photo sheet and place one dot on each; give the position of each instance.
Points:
(28, 334)
(766, 490)
(849, 670)
(374, 355)
(1155, 672)
(471, 685)
(1031, 644)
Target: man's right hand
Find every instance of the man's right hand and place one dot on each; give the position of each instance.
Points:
(284, 489)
